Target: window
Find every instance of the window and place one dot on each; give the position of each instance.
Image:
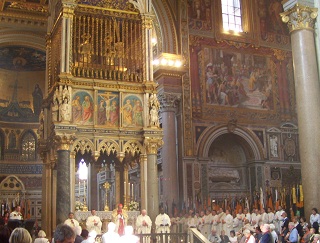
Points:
(231, 15)
(28, 147)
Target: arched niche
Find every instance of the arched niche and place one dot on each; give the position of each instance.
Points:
(12, 191)
(249, 141)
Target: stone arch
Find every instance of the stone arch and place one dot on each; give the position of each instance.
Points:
(133, 147)
(251, 143)
(83, 145)
(165, 21)
(108, 146)
(12, 183)
(22, 38)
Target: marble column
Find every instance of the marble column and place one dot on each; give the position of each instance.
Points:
(169, 102)
(152, 145)
(46, 204)
(63, 178)
(143, 180)
(300, 20)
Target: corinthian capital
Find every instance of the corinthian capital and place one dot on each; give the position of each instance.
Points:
(300, 17)
(169, 101)
(64, 141)
(152, 145)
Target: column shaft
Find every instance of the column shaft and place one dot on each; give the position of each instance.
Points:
(169, 158)
(152, 187)
(300, 19)
(308, 103)
(63, 185)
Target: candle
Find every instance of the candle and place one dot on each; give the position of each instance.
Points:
(79, 190)
(125, 185)
(132, 191)
(84, 188)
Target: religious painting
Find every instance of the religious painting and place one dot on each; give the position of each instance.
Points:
(132, 111)
(200, 15)
(82, 108)
(272, 29)
(237, 79)
(22, 72)
(108, 108)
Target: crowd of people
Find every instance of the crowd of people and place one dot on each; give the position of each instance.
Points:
(259, 226)
(218, 226)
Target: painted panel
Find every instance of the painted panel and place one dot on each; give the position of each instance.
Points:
(108, 109)
(132, 111)
(82, 108)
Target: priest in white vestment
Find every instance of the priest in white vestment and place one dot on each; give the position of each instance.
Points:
(143, 223)
(71, 221)
(162, 222)
(94, 222)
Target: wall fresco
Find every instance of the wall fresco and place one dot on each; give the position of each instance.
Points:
(237, 79)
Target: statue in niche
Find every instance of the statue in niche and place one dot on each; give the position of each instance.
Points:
(55, 110)
(154, 106)
(154, 118)
(274, 146)
(65, 111)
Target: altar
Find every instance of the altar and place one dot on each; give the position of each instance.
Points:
(106, 217)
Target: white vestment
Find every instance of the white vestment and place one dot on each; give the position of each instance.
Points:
(162, 223)
(143, 224)
(71, 222)
(16, 215)
(94, 223)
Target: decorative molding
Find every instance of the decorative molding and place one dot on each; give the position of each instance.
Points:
(300, 17)
(168, 101)
(152, 145)
(63, 142)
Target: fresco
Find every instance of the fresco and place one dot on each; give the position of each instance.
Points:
(237, 79)
(82, 108)
(22, 72)
(272, 29)
(108, 108)
(132, 111)
(200, 15)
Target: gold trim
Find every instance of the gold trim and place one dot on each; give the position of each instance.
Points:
(153, 144)
(300, 17)
(63, 142)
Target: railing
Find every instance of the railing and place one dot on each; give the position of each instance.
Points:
(196, 237)
(164, 238)
(193, 236)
